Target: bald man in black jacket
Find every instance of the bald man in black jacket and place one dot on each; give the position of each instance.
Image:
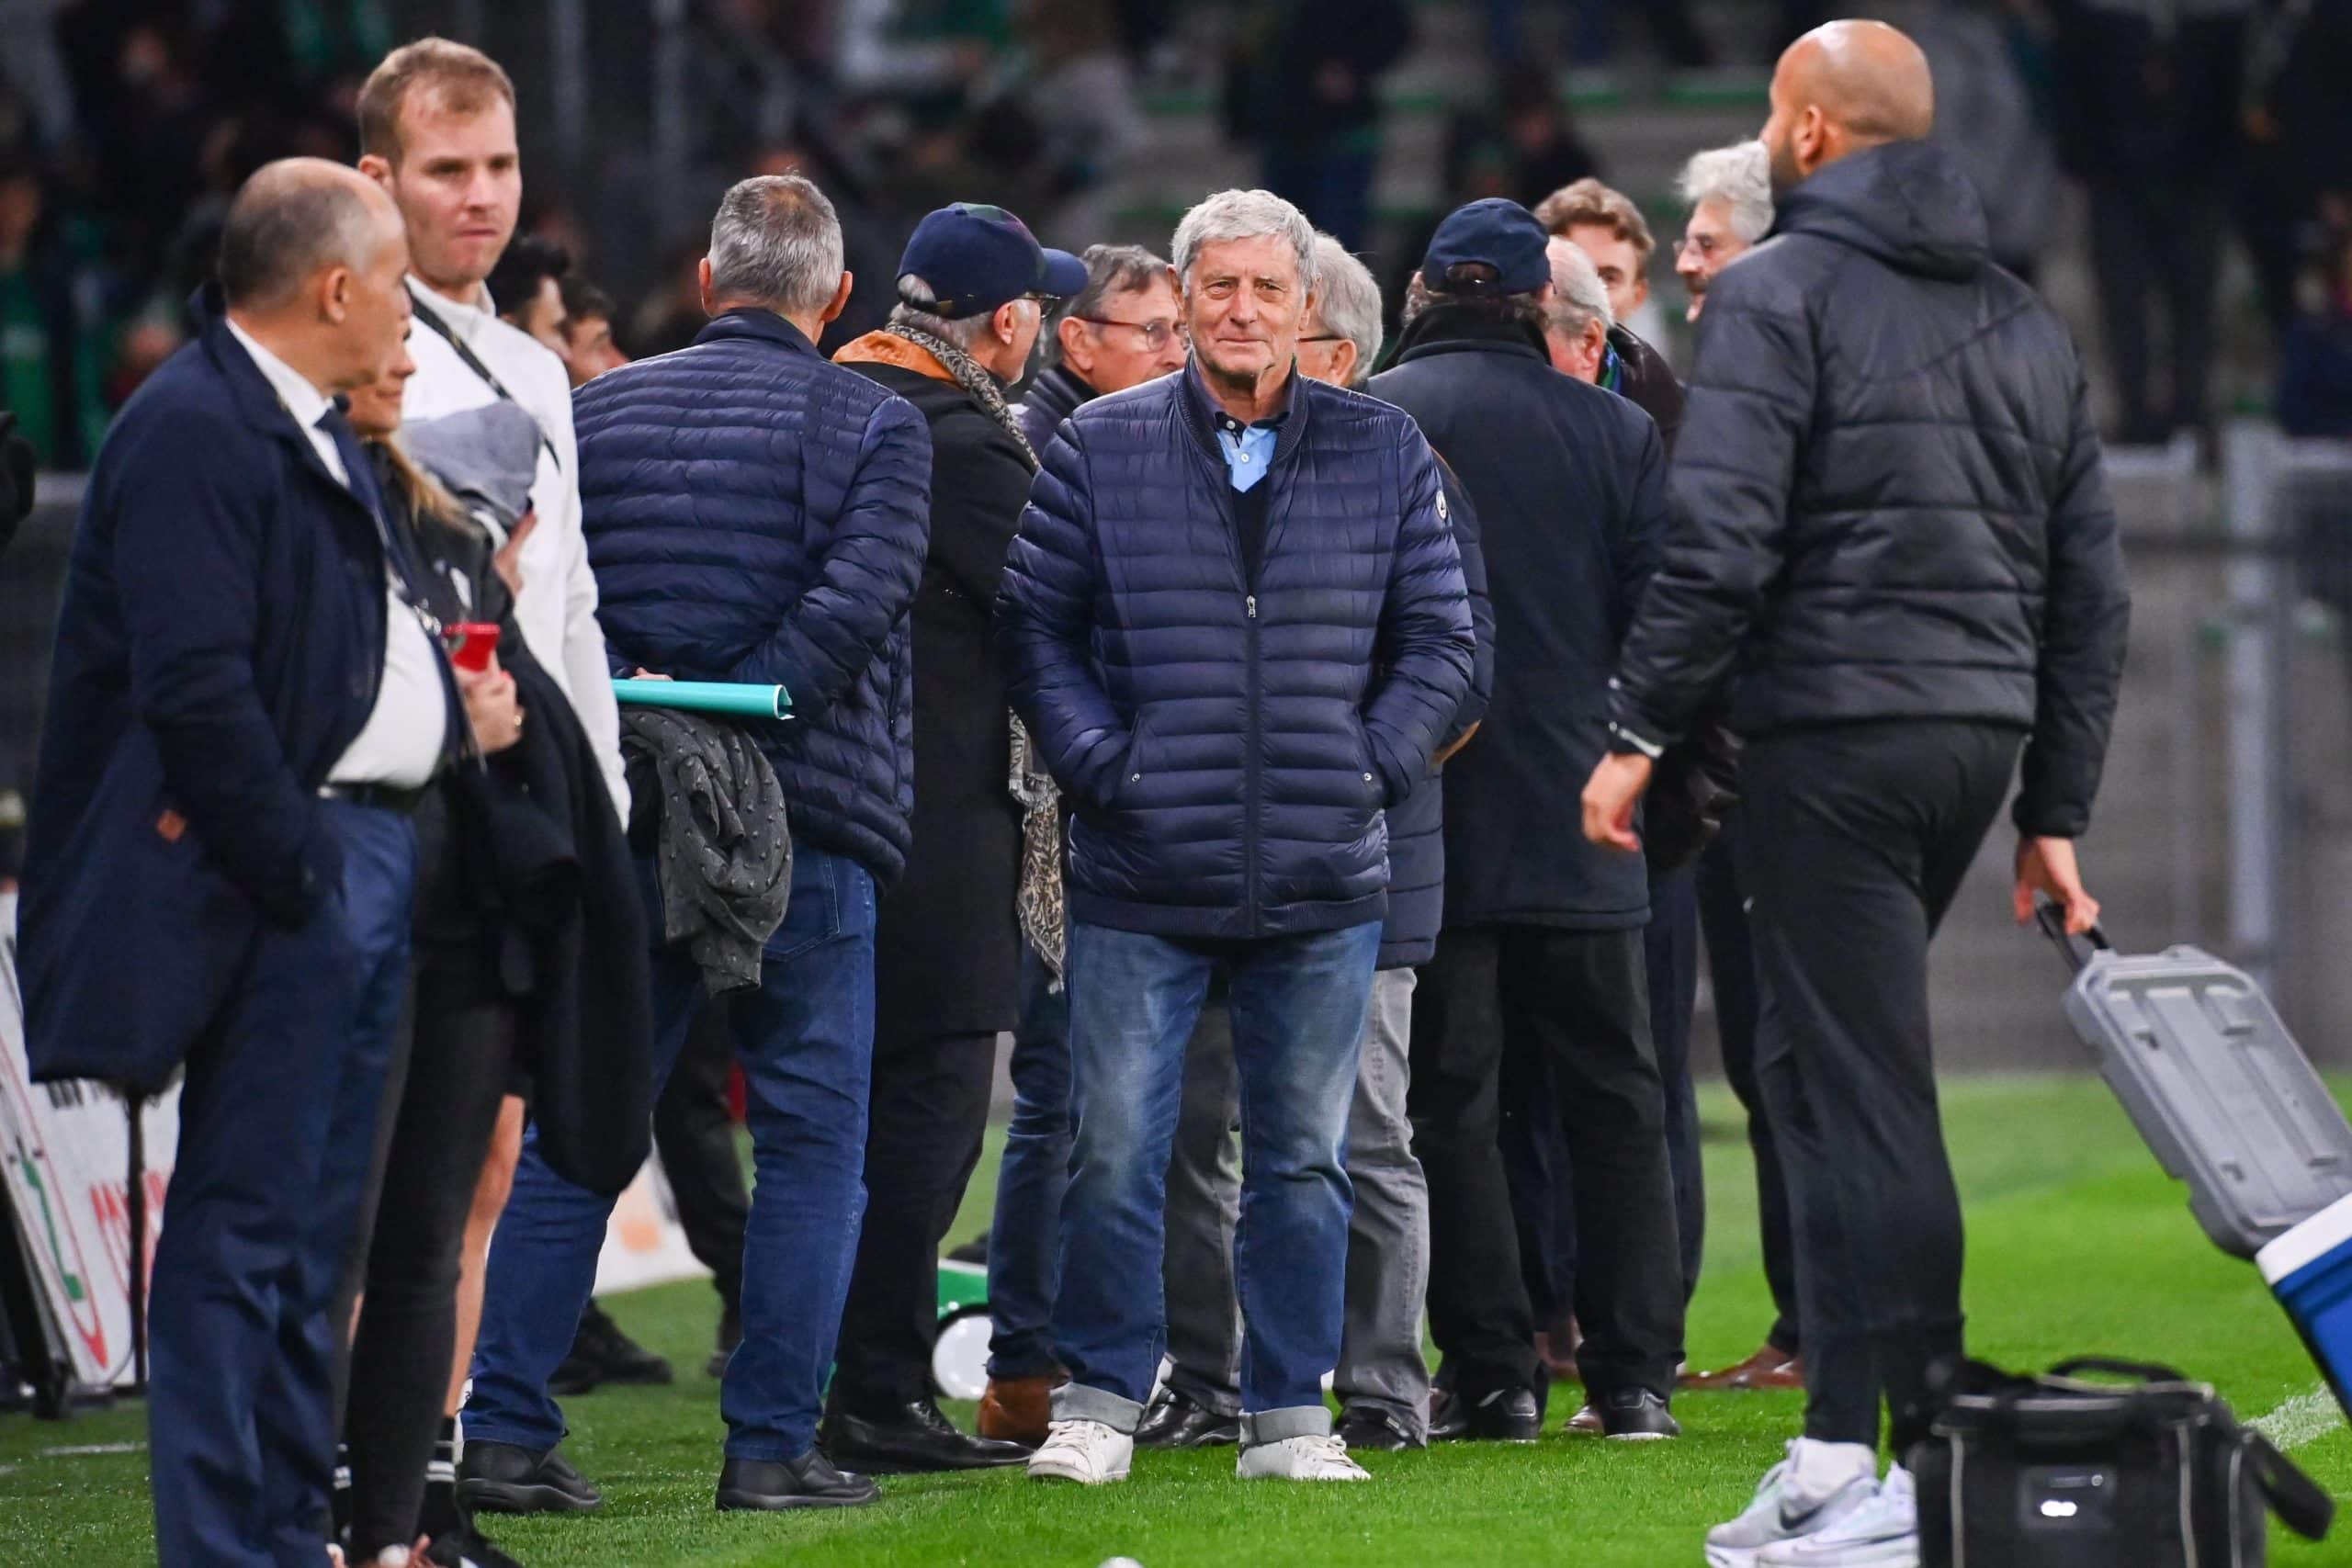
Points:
(1891, 535)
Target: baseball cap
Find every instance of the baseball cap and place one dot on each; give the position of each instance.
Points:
(1500, 234)
(978, 257)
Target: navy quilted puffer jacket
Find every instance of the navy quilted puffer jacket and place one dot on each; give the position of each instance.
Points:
(1416, 823)
(1231, 744)
(756, 514)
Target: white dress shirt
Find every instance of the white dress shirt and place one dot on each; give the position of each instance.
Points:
(401, 742)
(557, 609)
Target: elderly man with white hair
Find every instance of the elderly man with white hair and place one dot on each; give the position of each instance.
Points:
(1729, 193)
(1340, 341)
(1234, 624)
(1382, 1380)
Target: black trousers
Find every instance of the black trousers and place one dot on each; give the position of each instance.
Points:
(1576, 1000)
(1535, 1152)
(458, 1072)
(926, 1117)
(694, 1131)
(1731, 964)
(1853, 842)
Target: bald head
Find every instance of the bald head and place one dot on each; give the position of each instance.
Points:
(295, 219)
(1867, 77)
(312, 262)
(1842, 87)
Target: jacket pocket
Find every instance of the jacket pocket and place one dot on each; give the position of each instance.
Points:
(1134, 768)
(1368, 762)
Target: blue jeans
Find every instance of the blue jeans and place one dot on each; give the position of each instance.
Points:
(1024, 1242)
(276, 1123)
(1298, 1007)
(806, 1039)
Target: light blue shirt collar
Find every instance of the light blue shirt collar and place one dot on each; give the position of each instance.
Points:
(1248, 450)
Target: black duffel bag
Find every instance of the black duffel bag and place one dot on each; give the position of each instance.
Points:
(2058, 1471)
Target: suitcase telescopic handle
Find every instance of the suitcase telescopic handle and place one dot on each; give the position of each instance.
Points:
(2052, 920)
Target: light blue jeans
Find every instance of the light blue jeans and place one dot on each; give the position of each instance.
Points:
(1298, 1006)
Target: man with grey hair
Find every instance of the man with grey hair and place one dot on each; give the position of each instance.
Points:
(1234, 622)
(1119, 331)
(1576, 323)
(755, 514)
(1729, 193)
(1382, 1380)
(1340, 342)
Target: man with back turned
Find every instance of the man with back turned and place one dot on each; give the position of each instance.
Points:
(1893, 536)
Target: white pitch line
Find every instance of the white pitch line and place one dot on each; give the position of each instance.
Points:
(2304, 1419)
(80, 1450)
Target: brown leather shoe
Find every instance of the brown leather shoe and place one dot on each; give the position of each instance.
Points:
(1555, 1350)
(1769, 1368)
(1016, 1410)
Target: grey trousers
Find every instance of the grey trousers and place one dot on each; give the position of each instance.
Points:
(1380, 1363)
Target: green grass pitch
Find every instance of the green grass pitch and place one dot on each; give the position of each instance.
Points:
(2076, 1244)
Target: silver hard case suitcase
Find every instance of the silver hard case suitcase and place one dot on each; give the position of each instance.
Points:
(2216, 1085)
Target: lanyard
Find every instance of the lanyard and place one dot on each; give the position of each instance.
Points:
(425, 313)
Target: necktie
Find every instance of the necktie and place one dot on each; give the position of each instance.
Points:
(361, 477)
(407, 574)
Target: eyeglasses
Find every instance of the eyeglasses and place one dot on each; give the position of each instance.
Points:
(1155, 333)
(1327, 337)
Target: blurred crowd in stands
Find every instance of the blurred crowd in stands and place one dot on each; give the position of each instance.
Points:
(2189, 126)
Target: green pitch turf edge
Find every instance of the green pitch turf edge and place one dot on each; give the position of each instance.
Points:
(2077, 1244)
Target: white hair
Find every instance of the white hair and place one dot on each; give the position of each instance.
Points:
(1348, 301)
(776, 243)
(1579, 296)
(1245, 215)
(1740, 176)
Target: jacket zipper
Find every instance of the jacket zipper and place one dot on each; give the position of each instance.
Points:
(1251, 832)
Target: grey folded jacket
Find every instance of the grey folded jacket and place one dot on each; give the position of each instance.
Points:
(723, 855)
(486, 456)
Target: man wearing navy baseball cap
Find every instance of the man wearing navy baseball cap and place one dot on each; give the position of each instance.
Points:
(1568, 481)
(972, 259)
(971, 291)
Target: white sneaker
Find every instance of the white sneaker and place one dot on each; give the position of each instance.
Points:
(1085, 1451)
(1321, 1458)
(1816, 1486)
(1882, 1533)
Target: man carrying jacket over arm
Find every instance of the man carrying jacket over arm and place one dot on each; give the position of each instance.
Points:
(1235, 625)
(755, 514)
(1893, 534)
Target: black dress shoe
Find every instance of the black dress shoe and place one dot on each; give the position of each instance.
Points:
(1176, 1421)
(808, 1482)
(504, 1478)
(601, 1353)
(1505, 1415)
(914, 1440)
(730, 1333)
(1363, 1427)
(1636, 1415)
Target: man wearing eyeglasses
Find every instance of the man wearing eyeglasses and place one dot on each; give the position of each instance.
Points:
(1119, 331)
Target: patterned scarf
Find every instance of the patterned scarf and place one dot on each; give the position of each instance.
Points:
(1039, 904)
